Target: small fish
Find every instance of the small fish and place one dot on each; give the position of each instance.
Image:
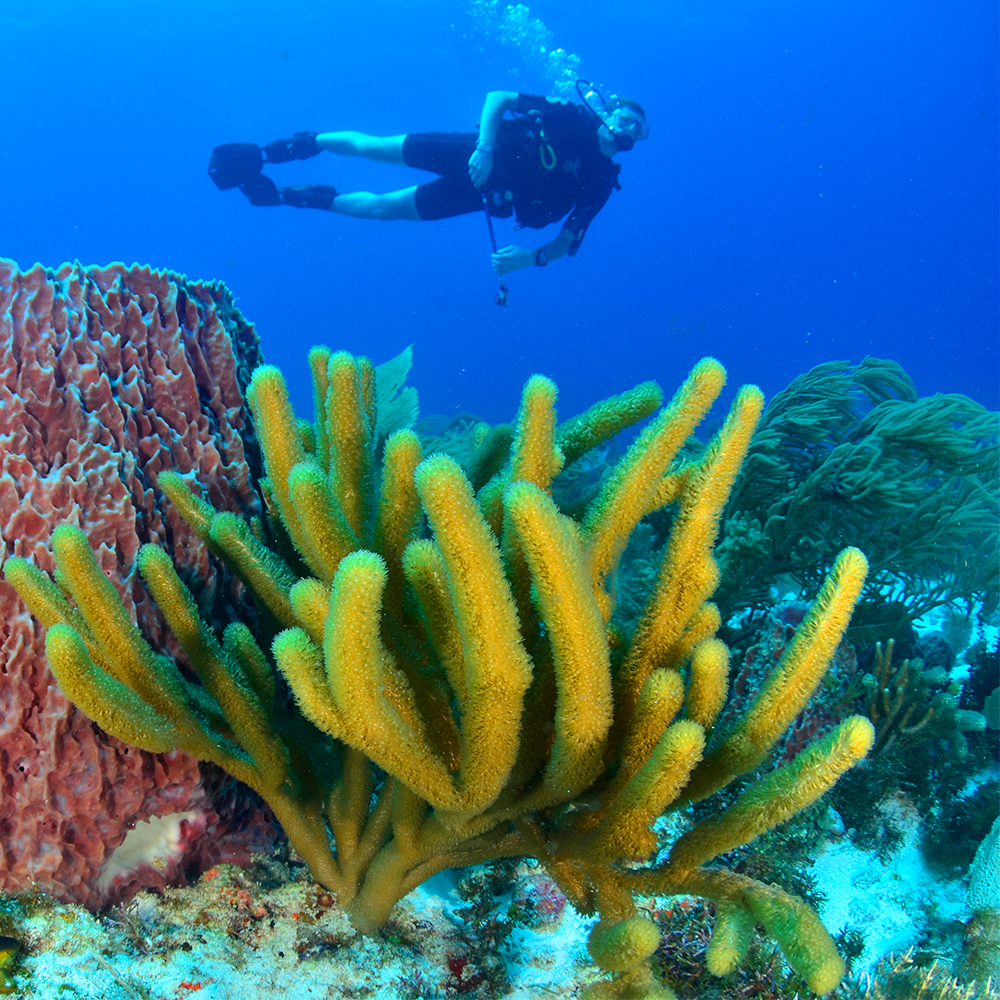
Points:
(9, 948)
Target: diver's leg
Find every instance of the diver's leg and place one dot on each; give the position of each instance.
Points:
(385, 149)
(365, 205)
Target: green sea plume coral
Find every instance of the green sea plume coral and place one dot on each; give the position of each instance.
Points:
(459, 694)
(852, 452)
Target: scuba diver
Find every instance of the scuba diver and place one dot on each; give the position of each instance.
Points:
(552, 158)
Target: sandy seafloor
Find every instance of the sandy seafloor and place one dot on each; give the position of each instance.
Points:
(272, 933)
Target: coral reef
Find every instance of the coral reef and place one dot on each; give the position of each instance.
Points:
(480, 705)
(930, 751)
(852, 452)
(896, 701)
(953, 832)
(902, 977)
(270, 932)
(982, 954)
(758, 645)
(107, 376)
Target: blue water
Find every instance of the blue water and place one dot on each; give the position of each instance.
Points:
(820, 183)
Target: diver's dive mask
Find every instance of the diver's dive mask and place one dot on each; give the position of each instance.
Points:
(625, 124)
(627, 128)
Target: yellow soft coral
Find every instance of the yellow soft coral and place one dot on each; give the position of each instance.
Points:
(465, 669)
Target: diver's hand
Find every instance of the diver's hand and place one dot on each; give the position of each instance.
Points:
(512, 259)
(480, 167)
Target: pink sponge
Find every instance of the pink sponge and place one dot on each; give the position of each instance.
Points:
(107, 376)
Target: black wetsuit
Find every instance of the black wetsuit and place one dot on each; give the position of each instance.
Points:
(547, 162)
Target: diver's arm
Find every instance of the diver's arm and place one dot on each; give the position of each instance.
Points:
(514, 258)
(497, 102)
(481, 161)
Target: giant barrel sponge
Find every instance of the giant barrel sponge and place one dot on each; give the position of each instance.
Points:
(107, 376)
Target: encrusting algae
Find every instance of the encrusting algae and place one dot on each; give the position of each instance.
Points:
(457, 646)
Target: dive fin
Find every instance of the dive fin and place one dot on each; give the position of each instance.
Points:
(301, 146)
(261, 190)
(234, 163)
(310, 196)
